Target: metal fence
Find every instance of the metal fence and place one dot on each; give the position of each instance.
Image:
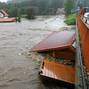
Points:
(82, 58)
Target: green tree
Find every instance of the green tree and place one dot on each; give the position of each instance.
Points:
(42, 7)
(69, 5)
(30, 13)
(13, 12)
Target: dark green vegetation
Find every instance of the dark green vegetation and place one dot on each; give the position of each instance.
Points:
(34, 7)
(30, 8)
(69, 5)
(30, 13)
(71, 19)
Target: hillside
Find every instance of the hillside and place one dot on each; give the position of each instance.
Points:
(39, 6)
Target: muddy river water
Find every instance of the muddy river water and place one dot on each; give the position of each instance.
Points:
(18, 70)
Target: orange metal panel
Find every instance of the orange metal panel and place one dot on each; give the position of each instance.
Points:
(58, 71)
(84, 36)
(56, 41)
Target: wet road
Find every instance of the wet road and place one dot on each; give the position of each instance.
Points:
(18, 69)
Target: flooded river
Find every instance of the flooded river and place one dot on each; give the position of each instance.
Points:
(18, 70)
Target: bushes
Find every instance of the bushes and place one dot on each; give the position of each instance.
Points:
(71, 19)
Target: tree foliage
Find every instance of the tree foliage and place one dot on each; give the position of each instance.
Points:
(71, 19)
(30, 13)
(13, 12)
(41, 6)
(69, 5)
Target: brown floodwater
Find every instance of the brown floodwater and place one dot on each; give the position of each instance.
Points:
(18, 68)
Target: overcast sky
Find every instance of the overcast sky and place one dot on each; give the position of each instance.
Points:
(3, 0)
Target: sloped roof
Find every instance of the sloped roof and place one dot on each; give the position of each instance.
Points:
(56, 40)
(4, 13)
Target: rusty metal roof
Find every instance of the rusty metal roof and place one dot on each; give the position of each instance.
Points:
(7, 20)
(56, 40)
(58, 71)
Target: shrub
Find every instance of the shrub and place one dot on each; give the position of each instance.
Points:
(71, 19)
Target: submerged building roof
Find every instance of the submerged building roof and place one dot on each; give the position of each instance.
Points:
(4, 13)
(7, 20)
(56, 40)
